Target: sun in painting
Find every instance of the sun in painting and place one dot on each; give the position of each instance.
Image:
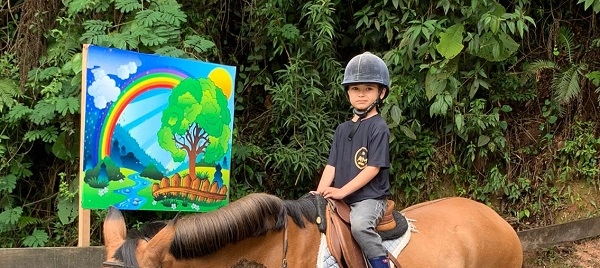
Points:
(222, 79)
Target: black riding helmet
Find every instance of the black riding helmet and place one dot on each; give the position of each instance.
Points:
(366, 68)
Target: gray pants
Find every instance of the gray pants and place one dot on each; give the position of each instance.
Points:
(364, 216)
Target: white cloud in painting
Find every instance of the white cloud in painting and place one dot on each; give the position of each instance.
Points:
(124, 71)
(104, 89)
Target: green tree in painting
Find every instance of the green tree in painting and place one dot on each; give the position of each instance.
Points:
(105, 171)
(196, 122)
(152, 172)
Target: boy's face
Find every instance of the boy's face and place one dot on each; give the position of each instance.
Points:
(363, 95)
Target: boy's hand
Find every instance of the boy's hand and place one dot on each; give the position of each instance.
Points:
(334, 193)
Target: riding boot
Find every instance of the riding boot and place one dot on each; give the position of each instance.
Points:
(379, 262)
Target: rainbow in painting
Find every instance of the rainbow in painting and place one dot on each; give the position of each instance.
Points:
(155, 79)
(149, 142)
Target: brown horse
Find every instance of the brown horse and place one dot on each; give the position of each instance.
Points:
(264, 229)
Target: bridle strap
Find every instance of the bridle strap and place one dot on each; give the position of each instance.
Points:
(285, 243)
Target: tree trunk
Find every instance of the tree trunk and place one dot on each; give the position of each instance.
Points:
(192, 164)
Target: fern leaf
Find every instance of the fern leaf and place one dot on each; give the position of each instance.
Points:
(38, 238)
(173, 15)
(18, 112)
(8, 91)
(127, 6)
(167, 32)
(148, 17)
(48, 135)
(198, 43)
(25, 221)
(46, 73)
(101, 6)
(565, 37)
(152, 39)
(8, 183)
(95, 38)
(11, 216)
(170, 51)
(68, 105)
(96, 25)
(566, 85)
(77, 6)
(539, 65)
(42, 113)
(117, 40)
(172, 10)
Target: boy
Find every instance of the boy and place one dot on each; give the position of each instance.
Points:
(359, 157)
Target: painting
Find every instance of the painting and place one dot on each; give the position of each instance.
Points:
(157, 131)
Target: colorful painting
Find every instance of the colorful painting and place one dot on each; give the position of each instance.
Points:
(157, 131)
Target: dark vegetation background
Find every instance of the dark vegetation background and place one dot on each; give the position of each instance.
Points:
(491, 100)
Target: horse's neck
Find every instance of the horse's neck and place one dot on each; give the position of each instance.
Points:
(268, 250)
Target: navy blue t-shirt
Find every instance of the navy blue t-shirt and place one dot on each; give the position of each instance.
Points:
(368, 147)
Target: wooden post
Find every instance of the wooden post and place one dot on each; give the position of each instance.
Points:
(84, 214)
(84, 227)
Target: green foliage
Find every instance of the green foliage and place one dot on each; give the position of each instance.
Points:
(579, 156)
(595, 4)
(68, 205)
(414, 159)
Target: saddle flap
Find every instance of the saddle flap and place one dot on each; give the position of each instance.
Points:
(341, 208)
(341, 244)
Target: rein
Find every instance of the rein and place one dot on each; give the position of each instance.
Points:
(115, 264)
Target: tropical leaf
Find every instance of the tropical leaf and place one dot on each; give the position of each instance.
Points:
(496, 47)
(451, 41)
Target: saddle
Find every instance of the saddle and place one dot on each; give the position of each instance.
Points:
(336, 227)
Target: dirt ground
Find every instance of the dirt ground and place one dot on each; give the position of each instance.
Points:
(580, 254)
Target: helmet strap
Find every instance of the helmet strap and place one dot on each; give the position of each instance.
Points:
(361, 115)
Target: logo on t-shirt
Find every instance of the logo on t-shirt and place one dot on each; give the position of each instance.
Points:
(360, 158)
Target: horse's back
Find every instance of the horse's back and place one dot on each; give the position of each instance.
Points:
(459, 232)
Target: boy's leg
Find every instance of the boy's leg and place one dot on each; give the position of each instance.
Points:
(364, 216)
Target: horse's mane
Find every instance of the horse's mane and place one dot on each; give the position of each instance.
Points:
(251, 216)
(201, 234)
